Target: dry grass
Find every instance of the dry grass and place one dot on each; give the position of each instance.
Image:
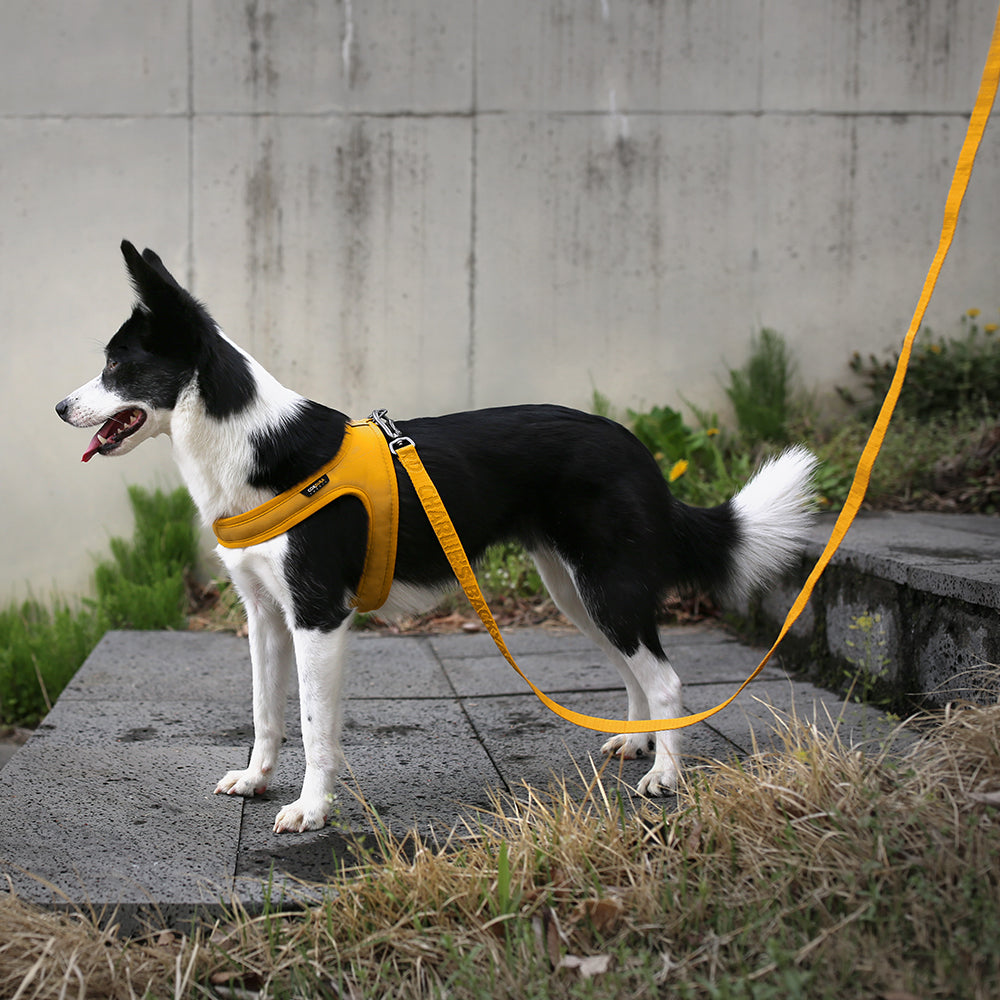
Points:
(812, 871)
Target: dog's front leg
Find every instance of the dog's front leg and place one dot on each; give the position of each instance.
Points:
(271, 655)
(319, 657)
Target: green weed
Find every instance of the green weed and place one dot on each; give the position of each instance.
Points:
(761, 391)
(41, 648)
(946, 375)
(141, 586)
(506, 570)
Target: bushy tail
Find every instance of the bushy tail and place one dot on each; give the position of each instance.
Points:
(772, 513)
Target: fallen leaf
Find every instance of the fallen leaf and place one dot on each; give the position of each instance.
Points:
(603, 913)
(552, 934)
(693, 842)
(236, 984)
(592, 965)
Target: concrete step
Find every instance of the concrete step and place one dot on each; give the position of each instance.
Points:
(109, 805)
(909, 602)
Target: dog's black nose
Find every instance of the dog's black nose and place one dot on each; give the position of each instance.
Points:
(62, 408)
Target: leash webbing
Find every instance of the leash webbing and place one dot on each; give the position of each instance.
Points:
(953, 203)
(452, 546)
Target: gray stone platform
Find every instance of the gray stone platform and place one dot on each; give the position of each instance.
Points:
(110, 804)
(910, 599)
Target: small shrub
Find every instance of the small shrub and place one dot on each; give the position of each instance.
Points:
(945, 376)
(41, 649)
(141, 586)
(507, 570)
(761, 391)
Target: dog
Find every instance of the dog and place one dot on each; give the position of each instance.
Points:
(578, 491)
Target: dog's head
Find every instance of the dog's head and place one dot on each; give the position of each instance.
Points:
(157, 353)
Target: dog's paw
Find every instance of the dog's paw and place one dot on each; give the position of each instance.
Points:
(247, 783)
(304, 814)
(628, 746)
(659, 781)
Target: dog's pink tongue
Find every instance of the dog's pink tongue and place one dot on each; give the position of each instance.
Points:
(105, 432)
(92, 449)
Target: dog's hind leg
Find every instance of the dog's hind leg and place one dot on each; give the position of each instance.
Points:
(271, 657)
(662, 688)
(319, 656)
(559, 582)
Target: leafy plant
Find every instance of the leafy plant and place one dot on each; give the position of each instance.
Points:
(945, 376)
(507, 570)
(761, 391)
(141, 586)
(694, 461)
(41, 649)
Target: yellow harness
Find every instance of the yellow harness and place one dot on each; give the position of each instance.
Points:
(362, 468)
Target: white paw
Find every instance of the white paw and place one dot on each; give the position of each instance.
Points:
(248, 783)
(628, 746)
(304, 814)
(659, 781)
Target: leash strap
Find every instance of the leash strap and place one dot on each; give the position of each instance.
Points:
(452, 547)
(362, 468)
(406, 452)
(956, 194)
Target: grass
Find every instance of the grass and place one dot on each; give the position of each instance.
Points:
(813, 870)
(141, 586)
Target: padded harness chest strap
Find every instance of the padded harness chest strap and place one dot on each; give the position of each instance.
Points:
(363, 467)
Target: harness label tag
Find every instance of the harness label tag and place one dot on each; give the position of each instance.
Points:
(314, 487)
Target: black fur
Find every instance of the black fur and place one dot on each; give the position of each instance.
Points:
(178, 329)
(136, 370)
(546, 476)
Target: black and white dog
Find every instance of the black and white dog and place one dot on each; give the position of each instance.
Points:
(578, 491)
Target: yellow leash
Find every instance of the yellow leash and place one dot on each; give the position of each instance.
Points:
(369, 475)
(407, 454)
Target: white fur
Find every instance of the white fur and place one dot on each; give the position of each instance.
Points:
(773, 511)
(91, 405)
(219, 489)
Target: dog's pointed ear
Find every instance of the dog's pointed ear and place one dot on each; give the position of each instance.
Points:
(177, 323)
(150, 279)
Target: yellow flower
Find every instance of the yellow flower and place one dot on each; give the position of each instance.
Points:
(678, 470)
(989, 328)
(972, 313)
(712, 431)
(936, 348)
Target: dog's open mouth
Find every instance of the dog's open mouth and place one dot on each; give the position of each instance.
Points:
(114, 431)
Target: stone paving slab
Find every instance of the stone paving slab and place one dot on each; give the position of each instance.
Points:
(950, 555)
(111, 802)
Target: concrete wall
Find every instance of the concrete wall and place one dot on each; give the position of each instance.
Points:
(436, 205)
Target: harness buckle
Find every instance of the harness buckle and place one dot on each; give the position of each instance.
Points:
(390, 430)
